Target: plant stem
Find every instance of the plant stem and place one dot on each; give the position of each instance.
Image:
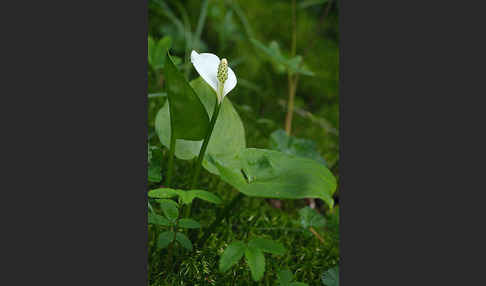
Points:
(292, 79)
(221, 214)
(175, 227)
(171, 157)
(290, 105)
(202, 152)
(314, 232)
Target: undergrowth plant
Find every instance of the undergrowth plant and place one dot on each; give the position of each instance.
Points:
(253, 252)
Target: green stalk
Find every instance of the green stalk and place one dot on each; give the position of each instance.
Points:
(171, 157)
(174, 229)
(202, 152)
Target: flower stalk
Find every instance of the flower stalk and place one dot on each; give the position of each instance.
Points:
(221, 76)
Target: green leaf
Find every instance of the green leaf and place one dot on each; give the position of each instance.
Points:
(188, 223)
(311, 218)
(331, 277)
(187, 115)
(165, 238)
(227, 139)
(231, 255)
(274, 54)
(268, 245)
(272, 174)
(170, 209)
(186, 196)
(280, 141)
(206, 196)
(284, 277)
(256, 262)
(157, 51)
(157, 219)
(184, 241)
(163, 193)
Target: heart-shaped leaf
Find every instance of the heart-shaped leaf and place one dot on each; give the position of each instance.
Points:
(272, 174)
(227, 139)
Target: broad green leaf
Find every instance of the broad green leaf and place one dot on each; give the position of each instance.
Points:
(331, 277)
(311, 218)
(268, 245)
(188, 117)
(280, 141)
(227, 139)
(256, 261)
(284, 277)
(165, 238)
(157, 51)
(231, 255)
(188, 223)
(158, 219)
(170, 209)
(184, 241)
(298, 284)
(272, 174)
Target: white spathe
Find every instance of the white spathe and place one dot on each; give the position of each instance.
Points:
(207, 65)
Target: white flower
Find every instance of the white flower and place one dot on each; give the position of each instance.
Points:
(207, 65)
